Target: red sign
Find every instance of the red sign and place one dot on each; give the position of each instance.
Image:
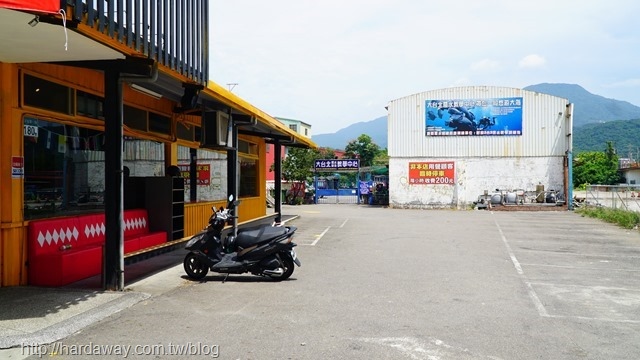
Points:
(432, 173)
(17, 167)
(17, 161)
(47, 6)
(203, 174)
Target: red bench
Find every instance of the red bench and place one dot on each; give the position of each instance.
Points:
(65, 250)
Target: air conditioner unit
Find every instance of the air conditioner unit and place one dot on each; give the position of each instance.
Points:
(216, 132)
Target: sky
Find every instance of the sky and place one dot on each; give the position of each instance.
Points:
(333, 63)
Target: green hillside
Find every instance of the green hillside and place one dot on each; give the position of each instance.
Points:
(625, 135)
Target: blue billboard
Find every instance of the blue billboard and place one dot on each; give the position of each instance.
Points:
(493, 116)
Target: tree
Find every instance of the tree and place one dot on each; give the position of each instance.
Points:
(299, 163)
(596, 167)
(363, 148)
(381, 158)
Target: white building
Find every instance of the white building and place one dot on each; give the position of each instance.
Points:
(298, 126)
(448, 146)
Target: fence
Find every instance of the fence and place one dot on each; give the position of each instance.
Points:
(622, 197)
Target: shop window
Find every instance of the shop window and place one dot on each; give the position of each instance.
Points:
(185, 131)
(135, 118)
(189, 132)
(63, 169)
(248, 177)
(159, 124)
(247, 147)
(197, 134)
(89, 105)
(210, 171)
(47, 95)
(248, 155)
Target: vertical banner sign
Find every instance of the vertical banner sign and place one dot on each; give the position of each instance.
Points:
(432, 173)
(17, 167)
(493, 116)
(47, 6)
(203, 174)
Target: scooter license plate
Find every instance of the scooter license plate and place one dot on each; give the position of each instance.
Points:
(295, 257)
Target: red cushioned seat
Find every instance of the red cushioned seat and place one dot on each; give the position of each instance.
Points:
(66, 250)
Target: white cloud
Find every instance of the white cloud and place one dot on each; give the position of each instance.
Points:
(485, 65)
(335, 62)
(532, 61)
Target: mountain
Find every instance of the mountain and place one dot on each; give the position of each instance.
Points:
(624, 134)
(376, 128)
(589, 109)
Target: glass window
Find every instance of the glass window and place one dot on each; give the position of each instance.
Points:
(185, 131)
(135, 118)
(159, 124)
(248, 177)
(47, 95)
(210, 171)
(63, 169)
(247, 147)
(89, 105)
(293, 127)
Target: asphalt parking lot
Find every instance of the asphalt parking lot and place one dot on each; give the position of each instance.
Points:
(380, 283)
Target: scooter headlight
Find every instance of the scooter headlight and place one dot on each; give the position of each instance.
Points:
(194, 240)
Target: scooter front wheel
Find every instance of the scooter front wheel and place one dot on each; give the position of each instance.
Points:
(194, 267)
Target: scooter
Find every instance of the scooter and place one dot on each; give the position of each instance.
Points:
(265, 250)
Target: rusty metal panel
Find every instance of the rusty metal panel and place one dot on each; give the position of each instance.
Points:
(545, 126)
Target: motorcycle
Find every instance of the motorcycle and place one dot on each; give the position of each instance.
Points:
(265, 250)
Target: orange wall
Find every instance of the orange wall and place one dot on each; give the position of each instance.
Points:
(13, 244)
(12, 230)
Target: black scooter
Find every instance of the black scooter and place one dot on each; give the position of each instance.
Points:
(264, 250)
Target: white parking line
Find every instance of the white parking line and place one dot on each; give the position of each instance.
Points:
(320, 236)
(532, 293)
(592, 255)
(345, 221)
(579, 267)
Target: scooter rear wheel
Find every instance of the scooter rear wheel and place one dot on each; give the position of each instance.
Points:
(195, 268)
(288, 265)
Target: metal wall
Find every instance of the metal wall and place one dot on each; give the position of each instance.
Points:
(482, 162)
(545, 126)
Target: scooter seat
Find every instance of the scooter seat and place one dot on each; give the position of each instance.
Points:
(251, 237)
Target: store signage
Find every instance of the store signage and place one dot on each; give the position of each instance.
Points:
(432, 173)
(477, 117)
(203, 174)
(17, 167)
(337, 164)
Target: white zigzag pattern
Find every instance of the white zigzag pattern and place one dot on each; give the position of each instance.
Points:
(54, 236)
(90, 229)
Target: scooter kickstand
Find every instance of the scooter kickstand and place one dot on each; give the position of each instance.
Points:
(225, 278)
